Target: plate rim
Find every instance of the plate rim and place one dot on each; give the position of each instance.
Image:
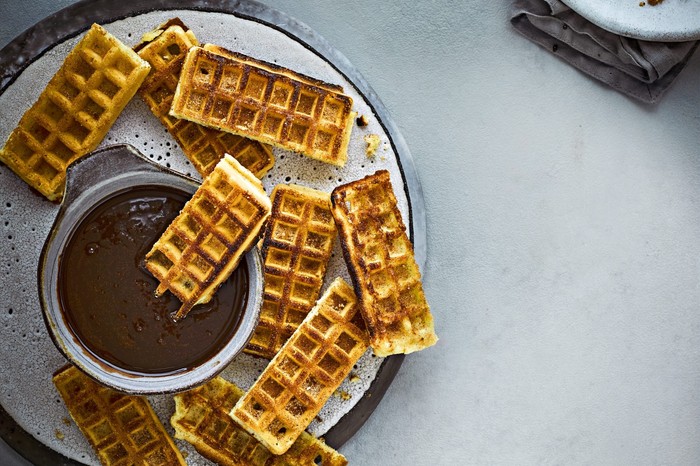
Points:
(642, 31)
(74, 19)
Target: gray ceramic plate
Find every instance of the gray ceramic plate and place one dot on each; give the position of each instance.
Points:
(670, 21)
(26, 65)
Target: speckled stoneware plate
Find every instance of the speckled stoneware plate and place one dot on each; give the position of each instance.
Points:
(33, 419)
(669, 21)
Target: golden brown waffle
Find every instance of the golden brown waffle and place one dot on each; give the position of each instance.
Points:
(381, 261)
(201, 418)
(296, 248)
(165, 49)
(74, 112)
(203, 245)
(308, 369)
(122, 429)
(265, 102)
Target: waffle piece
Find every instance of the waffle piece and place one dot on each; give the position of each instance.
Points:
(204, 243)
(382, 265)
(201, 418)
(265, 102)
(296, 248)
(165, 49)
(308, 369)
(74, 112)
(123, 429)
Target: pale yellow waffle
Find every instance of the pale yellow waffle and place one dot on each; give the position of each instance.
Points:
(74, 112)
(165, 49)
(123, 429)
(201, 418)
(296, 248)
(203, 245)
(308, 369)
(265, 102)
(381, 261)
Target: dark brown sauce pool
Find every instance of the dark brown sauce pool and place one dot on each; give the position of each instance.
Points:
(108, 296)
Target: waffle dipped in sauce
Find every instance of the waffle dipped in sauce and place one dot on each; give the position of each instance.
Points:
(308, 369)
(123, 429)
(381, 261)
(74, 112)
(201, 418)
(297, 245)
(205, 242)
(165, 49)
(265, 102)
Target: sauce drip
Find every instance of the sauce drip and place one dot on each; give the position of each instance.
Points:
(108, 297)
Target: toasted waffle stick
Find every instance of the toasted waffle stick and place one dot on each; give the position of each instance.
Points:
(165, 49)
(123, 429)
(201, 418)
(265, 102)
(74, 112)
(381, 262)
(296, 248)
(203, 245)
(308, 369)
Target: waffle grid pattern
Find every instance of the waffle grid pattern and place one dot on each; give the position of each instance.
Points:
(74, 112)
(297, 246)
(308, 369)
(202, 418)
(205, 242)
(251, 98)
(122, 429)
(203, 146)
(380, 258)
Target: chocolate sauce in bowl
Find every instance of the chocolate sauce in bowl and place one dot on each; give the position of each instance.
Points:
(107, 295)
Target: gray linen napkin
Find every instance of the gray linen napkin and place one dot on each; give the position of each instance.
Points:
(640, 69)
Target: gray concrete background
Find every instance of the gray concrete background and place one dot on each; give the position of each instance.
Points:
(563, 253)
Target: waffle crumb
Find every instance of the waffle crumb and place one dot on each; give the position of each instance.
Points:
(372, 141)
(59, 435)
(354, 378)
(343, 394)
(362, 121)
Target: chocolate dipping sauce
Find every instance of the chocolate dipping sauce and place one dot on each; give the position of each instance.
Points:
(108, 296)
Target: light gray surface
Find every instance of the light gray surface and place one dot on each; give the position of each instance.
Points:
(563, 252)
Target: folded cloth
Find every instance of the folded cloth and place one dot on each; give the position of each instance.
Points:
(640, 69)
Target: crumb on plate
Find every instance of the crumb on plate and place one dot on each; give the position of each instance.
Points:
(372, 141)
